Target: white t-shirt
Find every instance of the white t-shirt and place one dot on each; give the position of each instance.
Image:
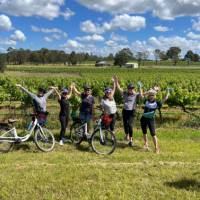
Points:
(109, 106)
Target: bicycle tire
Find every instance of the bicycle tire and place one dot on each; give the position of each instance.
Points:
(74, 136)
(5, 147)
(108, 143)
(45, 138)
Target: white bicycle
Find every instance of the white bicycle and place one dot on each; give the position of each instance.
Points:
(43, 138)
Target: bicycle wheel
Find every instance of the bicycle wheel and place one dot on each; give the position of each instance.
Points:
(44, 139)
(5, 146)
(76, 133)
(103, 142)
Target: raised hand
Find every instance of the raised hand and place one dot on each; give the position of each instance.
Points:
(53, 87)
(140, 84)
(156, 88)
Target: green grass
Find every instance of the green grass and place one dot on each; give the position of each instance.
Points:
(129, 173)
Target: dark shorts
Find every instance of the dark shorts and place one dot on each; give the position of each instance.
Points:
(148, 123)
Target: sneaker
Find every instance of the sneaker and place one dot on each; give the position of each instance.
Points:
(61, 143)
(130, 144)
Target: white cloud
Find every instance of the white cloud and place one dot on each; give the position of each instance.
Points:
(164, 43)
(67, 14)
(7, 42)
(91, 38)
(111, 43)
(49, 9)
(124, 22)
(47, 30)
(193, 36)
(56, 33)
(56, 36)
(18, 36)
(163, 9)
(196, 25)
(161, 28)
(73, 45)
(48, 39)
(5, 23)
(118, 38)
(89, 27)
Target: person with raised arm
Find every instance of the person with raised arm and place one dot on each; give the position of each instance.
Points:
(148, 117)
(39, 102)
(87, 104)
(108, 105)
(130, 98)
(63, 100)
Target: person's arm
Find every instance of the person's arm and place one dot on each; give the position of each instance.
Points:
(70, 91)
(58, 94)
(166, 97)
(118, 85)
(140, 95)
(93, 110)
(52, 89)
(33, 96)
(114, 86)
(101, 107)
(76, 91)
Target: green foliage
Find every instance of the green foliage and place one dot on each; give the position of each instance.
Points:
(122, 57)
(174, 53)
(2, 63)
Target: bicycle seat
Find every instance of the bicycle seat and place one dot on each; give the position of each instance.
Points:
(12, 121)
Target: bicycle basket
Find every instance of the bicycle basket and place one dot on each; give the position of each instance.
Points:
(106, 119)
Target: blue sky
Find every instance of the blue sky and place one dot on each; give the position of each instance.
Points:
(100, 27)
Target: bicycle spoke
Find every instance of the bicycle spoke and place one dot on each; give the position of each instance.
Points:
(5, 146)
(44, 139)
(103, 142)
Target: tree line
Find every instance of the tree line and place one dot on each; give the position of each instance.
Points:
(46, 56)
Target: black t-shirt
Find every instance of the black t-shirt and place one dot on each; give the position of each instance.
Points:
(87, 104)
(64, 107)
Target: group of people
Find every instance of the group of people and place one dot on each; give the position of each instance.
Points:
(108, 106)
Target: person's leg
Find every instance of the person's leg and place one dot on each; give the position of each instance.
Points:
(125, 123)
(130, 125)
(152, 129)
(112, 124)
(63, 128)
(143, 123)
(88, 119)
(67, 121)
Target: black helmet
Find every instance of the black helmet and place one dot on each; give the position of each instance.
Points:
(42, 90)
(130, 86)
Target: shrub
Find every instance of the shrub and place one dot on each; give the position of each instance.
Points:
(2, 63)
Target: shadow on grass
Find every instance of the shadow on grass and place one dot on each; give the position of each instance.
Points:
(25, 147)
(123, 145)
(185, 184)
(84, 148)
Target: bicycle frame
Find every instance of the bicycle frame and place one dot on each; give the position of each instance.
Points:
(14, 137)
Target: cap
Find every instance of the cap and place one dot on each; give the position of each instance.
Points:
(86, 87)
(152, 92)
(42, 90)
(108, 90)
(64, 90)
(130, 86)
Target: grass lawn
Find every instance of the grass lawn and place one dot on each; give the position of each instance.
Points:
(129, 173)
